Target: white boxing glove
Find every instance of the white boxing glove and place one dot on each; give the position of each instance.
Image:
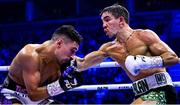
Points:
(135, 63)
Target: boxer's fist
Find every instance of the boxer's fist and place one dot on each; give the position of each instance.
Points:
(70, 77)
(135, 63)
(68, 72)
(71, 81)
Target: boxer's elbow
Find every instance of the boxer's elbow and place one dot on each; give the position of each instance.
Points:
(170, 59)
(174, 59)
(34, 96)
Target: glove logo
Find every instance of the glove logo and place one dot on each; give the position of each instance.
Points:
(70, 84)
(143, 59)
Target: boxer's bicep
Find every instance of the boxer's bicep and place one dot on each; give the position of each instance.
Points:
(163, 50)
(32, 78)
(159, 48)
(153, 42)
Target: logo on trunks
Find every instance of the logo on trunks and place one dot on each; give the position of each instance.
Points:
(160, 79)
(140, 86)
(20, 89)
(20, 94)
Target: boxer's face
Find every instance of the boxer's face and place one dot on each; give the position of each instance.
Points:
(65, 50)
(110, 24)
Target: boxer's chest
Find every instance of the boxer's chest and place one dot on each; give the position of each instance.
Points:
(120, 51)
(49, 72)
(117, 51)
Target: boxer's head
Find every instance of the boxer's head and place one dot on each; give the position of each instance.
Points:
(114, 18)
(66, 40)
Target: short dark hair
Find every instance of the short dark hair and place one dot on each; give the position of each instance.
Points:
(67, 31)
(117, 10)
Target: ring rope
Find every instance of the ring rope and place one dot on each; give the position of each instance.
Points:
(110, 87)
(101, 65)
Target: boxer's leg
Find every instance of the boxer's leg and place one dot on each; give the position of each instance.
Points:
(155, 97)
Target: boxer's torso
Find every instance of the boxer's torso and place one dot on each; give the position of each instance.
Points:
(133, 46)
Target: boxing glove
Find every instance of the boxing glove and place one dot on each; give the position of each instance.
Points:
(70, 69)
(69, 79)
(135, 63)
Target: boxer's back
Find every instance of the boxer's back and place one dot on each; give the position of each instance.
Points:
(16, 67)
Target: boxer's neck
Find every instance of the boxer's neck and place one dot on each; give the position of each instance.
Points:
(46, 52)
(124, 34)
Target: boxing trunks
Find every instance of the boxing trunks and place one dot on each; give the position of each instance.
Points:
(157, 87)
(11, 91)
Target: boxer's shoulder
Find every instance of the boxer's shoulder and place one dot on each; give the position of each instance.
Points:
(28, 55)
(141, 33)
(146, 36)
(28, 50)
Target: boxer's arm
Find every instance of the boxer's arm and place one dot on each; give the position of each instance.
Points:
(159, 48)
(89, 60)
(161, 54)
(92, 58)
(32, 77)
(64, 83)
(32, 80)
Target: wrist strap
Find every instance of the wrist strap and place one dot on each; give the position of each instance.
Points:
(157, 61)
(54, 88)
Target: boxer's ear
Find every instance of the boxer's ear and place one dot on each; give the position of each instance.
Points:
(121, 21)
(59, 42)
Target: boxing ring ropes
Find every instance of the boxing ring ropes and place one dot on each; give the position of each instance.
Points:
(103, 86)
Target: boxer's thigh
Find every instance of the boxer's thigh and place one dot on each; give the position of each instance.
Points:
(153, 97)
(139, 101)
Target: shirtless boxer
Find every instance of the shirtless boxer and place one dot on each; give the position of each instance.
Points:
(140, 53)
(35, 74)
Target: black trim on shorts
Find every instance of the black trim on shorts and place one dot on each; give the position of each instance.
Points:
(10, 84)
(170, 93)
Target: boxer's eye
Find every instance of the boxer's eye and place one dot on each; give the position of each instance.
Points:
(107, 19)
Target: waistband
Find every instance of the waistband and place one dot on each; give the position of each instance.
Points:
(12, 85)
(151, 82)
